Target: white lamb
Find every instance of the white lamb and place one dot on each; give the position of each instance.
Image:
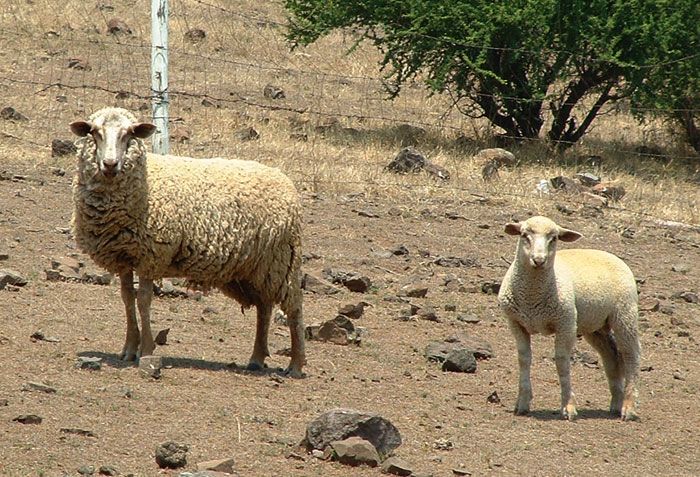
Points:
(572, 293)
(230, 224)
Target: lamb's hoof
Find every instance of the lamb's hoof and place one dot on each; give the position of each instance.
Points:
(128, 356)
(294, 373)
(630, 415)
(569, 413)
(255, 366)
(521, 412)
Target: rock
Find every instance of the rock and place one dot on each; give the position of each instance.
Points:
(455, 262)
(79, 64)
(468, 318)
(62, 147)
(115, 26)
(107, 470)
(460, 360)
(9, 113)
(195, 35)
(273, 92)
(689, 297)
(587, 179)
(171, 455)
(246, 134)
(496, 155)
(10, 277)
(491, 288)
(353, 310)
(28, 419)
(678, 267)
(219, 465)
(357, 284)
(330, 331)
(415, 291)
(610, 190)
(396, 466)
(493, 398)
(39, 387)
(161, 338)
(565, 184)
(490, 171)
(399, 250)
(39, 335)
(181, 135)
(97, 278)
(317, 285)
(87, 470)
(428, 313)
(437, 171)
(407, 160)
(151, 366)
(339, 424)
(439, 350)
(78, 432)
(649, 304)
(355, 451)
(89, 362)
(460, 472)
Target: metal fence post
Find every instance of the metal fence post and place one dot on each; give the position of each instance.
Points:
(159, 74)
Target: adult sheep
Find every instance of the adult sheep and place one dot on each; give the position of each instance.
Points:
(227, 224)
(569, 293)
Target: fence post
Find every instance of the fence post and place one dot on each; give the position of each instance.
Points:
(159, 74)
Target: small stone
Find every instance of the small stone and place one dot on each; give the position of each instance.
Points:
(407, 160)
(87, 470)
(10, 277)
(246, 134)
(28, 419)
(171, 455)
(493, 398)
(319, 454)
(62, 147)
(151, 366)
(78, 432)
(195, 35)
(107, 470)
(11, 114)
(330, 331)
(399, 250)
(219, 465)
(273, 92)
(355, 451)
(689, 297)
(588, 179)
(353, 310)
(39, 335)
(450, 307)
(357, 284)
(443, 444)
(428, 314)
(161, 338)
(416, 292)
(460, 361)
(115, 26)
(396, 466)
(468, 318)
(680, 268)
(460, 472)
(317, 285)
(89, 362)
(491, 288)
(39, 387)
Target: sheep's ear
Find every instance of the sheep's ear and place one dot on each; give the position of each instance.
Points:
(513, 228)
(143, 130)
(566, 235)
(81, 128)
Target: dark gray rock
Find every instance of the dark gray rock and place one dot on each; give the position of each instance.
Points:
(87, 470)
(28, 419)
(438, 350)
(353, 310)
(89, 362)
(317, 285)
(108, 470)
(273, 92)
(460, 360)
(171, 455)
(355, 451)
(689, 297)
(428, 313)
(407, 160)
(9, 113)
(63, 147)
(339, 424)
(161, 338)
(491, 288)
(10, 277)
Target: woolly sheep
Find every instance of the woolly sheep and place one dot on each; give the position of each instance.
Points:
(571, 293)
(227, 224)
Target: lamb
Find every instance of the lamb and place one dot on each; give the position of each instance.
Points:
(229, 224)
(571, 293)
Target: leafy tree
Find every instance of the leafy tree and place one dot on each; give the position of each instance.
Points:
(511, 61)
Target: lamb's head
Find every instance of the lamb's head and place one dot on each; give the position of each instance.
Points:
(538, 240)
(112, 130)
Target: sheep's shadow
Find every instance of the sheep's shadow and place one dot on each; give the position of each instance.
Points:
(555, 414)
(112, 360)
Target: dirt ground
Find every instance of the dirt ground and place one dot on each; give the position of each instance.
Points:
(220, 411)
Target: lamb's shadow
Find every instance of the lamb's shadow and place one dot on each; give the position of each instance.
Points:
(555, 415)
(112, 360)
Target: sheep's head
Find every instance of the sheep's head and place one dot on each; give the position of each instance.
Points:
(538, 240)
(112, 132)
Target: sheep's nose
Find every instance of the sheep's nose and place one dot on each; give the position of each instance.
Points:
(538, 260)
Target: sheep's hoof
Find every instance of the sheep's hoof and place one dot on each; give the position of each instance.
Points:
(569, 413)
(294, 373)
(521, 412)
(127, 355)
(630, 415)
(255, 366)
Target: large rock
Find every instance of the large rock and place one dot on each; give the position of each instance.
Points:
(10, 277)
(355, 451)
(171, 455)
(339, 424)
(439, 350)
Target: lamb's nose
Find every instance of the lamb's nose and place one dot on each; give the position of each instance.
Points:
(538, 261)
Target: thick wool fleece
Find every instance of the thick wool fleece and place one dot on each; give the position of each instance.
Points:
(229, 224)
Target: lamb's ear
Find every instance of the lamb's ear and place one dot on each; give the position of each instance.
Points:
(513, 228)
(81, 128)
(143, 130)
(566, 235)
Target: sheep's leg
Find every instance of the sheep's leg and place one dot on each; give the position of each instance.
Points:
(625, 330)
(260, 349)
(292, 307)
(604, 343)
(522, 341)
(131, 344)
(143, 299)
(564, 342)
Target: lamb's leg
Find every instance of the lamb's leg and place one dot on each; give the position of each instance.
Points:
(522, 341)
(625, 329)
(131, 344)
(604, 343)
(143, 298)
(564, 342)
(260, 349)
(292, 307)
